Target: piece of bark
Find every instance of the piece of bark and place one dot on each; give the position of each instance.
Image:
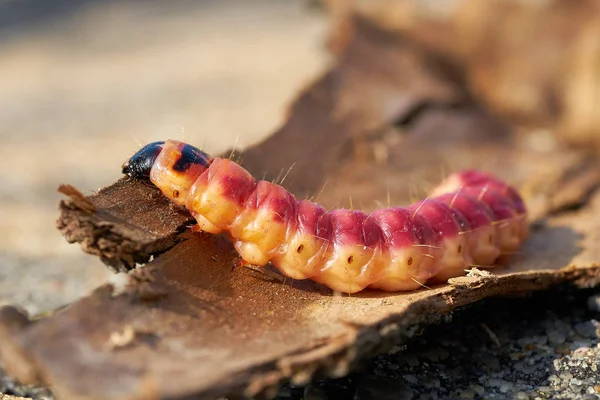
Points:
(216, 331)
(118, 231)
(188, 325)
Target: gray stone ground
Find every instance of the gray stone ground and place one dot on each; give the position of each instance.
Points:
(86, 82)
(542, 346)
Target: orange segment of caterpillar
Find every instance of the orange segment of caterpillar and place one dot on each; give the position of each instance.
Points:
(470, 219)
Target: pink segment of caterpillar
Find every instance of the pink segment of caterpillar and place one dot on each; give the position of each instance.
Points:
(470, 219)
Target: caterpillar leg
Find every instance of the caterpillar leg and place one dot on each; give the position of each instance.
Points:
(204, 225)
(454, 260)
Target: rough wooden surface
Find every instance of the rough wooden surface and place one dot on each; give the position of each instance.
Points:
(188, 325)
(98, 223)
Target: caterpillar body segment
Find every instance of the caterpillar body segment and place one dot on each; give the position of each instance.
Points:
(470, 219)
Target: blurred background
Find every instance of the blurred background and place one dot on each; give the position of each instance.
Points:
(85, 83)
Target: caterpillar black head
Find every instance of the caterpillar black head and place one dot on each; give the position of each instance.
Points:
(140, 164)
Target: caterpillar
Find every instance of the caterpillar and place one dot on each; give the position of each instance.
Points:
(470, 219)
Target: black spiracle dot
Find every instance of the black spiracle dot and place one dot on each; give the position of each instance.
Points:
(175, 193)
(300, 248)
(409, 261)
(459, 249)
(350, 259)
